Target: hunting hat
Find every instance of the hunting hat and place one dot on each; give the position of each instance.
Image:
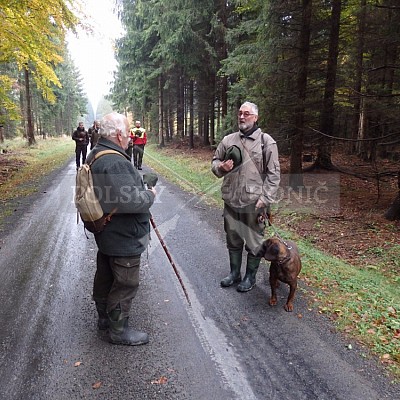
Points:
(234, 153)
(150, 179)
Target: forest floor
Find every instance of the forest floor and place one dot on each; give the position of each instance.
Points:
(355, 229)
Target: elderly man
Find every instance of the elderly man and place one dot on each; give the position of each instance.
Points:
(119, 186)
(248, 162)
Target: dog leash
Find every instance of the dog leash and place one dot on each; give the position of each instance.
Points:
(276, 232)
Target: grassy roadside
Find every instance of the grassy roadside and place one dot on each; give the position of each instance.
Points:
(363, 304)
(22, 167)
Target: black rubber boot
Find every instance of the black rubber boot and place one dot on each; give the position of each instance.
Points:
(249, 280)
(102, 322)
(120, 333)
(235, 261)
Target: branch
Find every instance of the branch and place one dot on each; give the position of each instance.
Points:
(354, 140)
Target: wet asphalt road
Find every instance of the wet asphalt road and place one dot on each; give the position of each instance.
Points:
(225, 345)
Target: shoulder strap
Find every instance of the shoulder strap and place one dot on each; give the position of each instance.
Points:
(264, 161)
(103, 153)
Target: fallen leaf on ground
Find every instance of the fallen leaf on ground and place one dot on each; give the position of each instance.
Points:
(160, 381)
(96, 385)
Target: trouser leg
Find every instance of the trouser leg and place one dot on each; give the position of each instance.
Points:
(234, 244)
(135, 155)
(243, 226)
(140, 155)
(116, 282)
(78, 156)
(125, 272)
(84, 152)
(125, 285)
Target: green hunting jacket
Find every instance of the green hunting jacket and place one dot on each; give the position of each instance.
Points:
(118, 184)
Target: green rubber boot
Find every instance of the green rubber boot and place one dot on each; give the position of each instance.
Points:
(102, 322)
(235, 261)
(120, 333)
(249, 280)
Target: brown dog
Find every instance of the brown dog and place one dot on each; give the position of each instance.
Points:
(285, 266)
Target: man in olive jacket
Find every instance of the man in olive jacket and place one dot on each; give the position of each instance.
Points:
(120, 189)
(248, 162)
(81, 138)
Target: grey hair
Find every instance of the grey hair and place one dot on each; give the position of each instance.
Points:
(113, 122)
(253, 107)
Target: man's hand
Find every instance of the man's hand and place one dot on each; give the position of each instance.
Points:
(260, 204)
(226, 166)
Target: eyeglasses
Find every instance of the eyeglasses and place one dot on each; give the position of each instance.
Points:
(244, 113)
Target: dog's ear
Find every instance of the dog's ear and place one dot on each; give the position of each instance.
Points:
(271, 250)
(262, 249)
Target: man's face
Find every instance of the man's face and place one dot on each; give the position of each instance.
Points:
(80, 124)
(246, 118)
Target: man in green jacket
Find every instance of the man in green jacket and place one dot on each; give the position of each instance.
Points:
(248, 162)
(121, 191)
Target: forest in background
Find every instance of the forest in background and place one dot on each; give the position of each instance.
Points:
(324, 73)
(41, 92)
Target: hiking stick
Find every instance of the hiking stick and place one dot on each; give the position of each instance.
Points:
(164, 246)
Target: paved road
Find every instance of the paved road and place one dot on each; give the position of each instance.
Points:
(225, 345)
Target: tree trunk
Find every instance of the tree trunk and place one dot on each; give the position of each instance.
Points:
(324, 159)
(206, 129)
(296, 176)
(29, 117)
(191, 114)
(160, 113)
(358, 72)
(179, 107)
(393, 213)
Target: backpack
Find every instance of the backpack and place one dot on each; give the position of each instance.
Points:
(88, 206)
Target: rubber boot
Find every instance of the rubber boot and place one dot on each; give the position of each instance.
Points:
(102, 322)
(235, 261)
(120, 333)
(249, 279)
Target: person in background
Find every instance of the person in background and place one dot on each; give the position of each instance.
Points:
(93, 132)
(81, 138)
(248, 162)
(139, 140)
(129, 150)
(122, 193)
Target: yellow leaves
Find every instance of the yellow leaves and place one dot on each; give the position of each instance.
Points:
(33, 36)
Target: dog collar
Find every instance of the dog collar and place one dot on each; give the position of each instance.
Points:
(287, 257)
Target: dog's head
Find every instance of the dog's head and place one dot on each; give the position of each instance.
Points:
(272, 249)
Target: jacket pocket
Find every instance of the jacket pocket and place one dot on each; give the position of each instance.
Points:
(253, 191)
(127, 262)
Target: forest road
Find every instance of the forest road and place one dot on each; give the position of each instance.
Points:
(224, 345)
